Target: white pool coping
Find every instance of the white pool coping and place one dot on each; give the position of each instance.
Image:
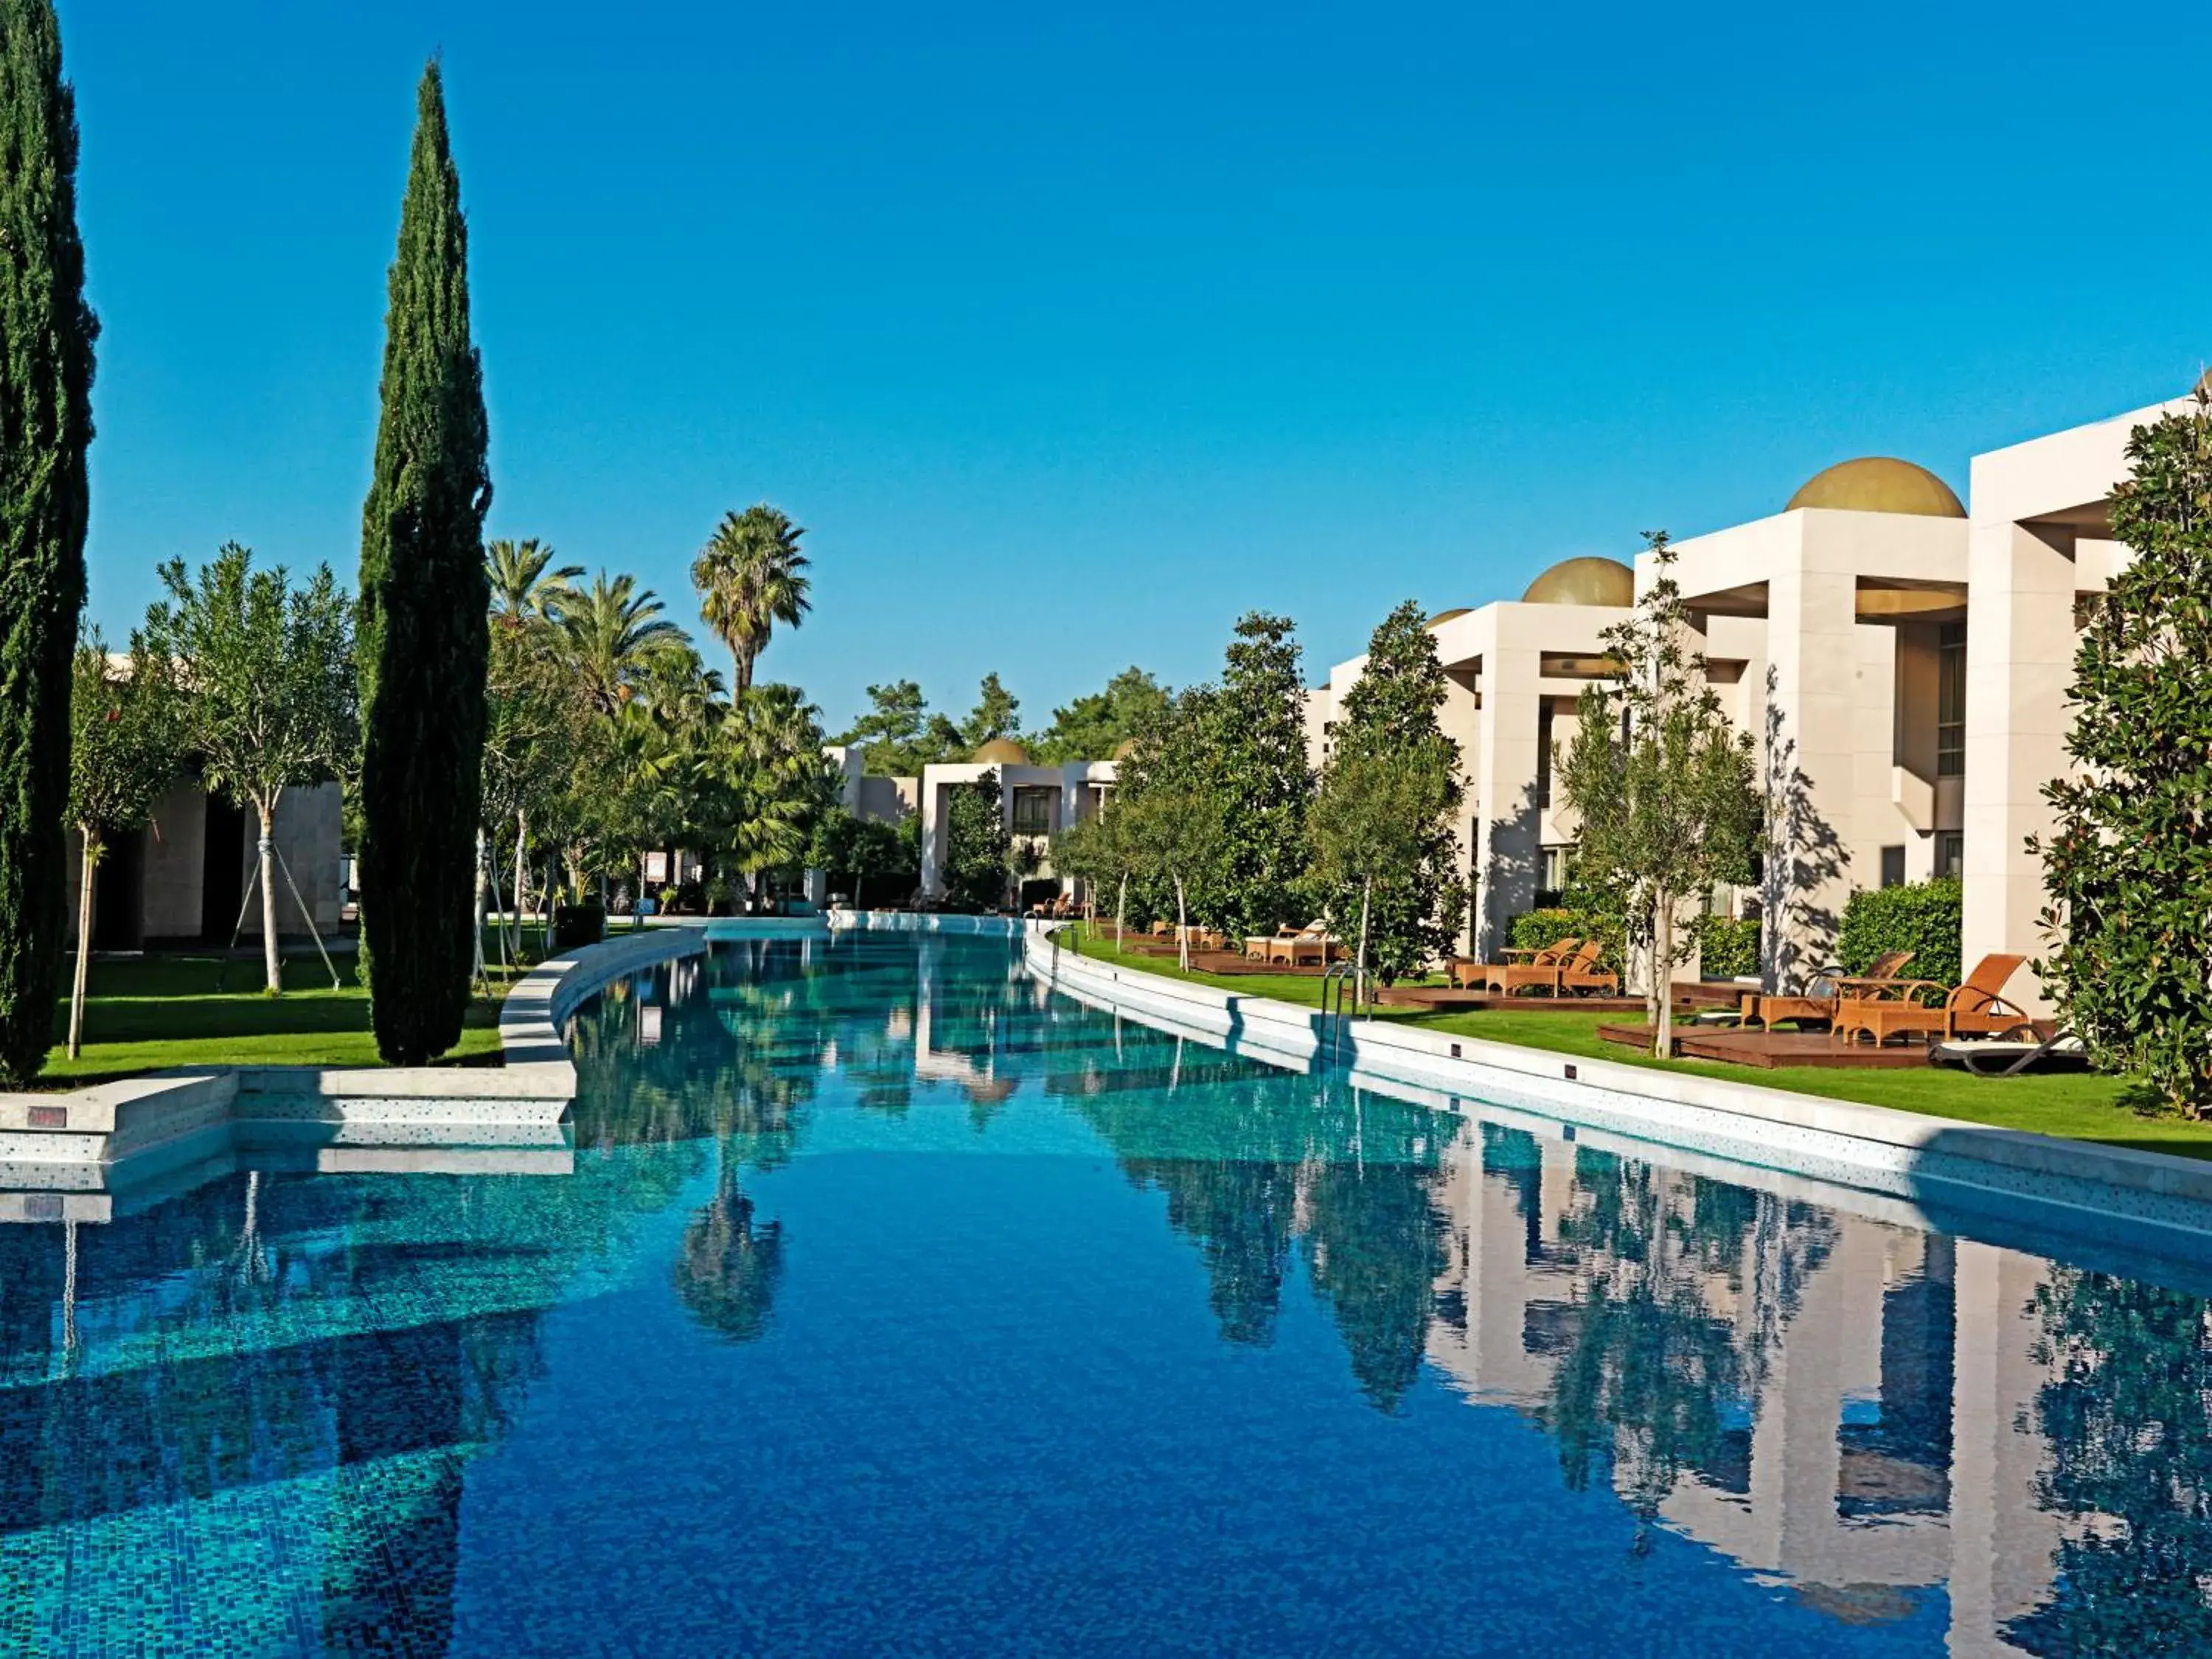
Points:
(188, 1112)
(1904, 1154)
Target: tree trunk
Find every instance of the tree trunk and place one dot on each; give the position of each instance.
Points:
(521, 852)
(476, 946)
(267, 853)
(1359, 962)
(1663, 974)
(83, 938)
(1120, 910)
(1182, 930)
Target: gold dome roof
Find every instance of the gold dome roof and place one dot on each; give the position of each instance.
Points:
(1879, 483)
(1001, 751)
(1588, 580)
(1124, 748)
(1446, 615)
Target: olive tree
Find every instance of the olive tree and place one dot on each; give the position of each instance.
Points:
(1666, 789)
(127, 747)
(1375, 821)
(268, 673)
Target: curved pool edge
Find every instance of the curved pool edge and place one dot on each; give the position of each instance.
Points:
(1936, 1162)
(147, 1125)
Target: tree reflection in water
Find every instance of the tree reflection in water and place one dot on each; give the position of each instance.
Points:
(2127, 1414)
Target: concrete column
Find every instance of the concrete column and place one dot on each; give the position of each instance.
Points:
(2020, 659)
(1809, 750)
(1510, 853)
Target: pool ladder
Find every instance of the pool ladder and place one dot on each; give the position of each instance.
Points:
(1338, 983)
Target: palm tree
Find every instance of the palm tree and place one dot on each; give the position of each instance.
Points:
(523, 590)
(770, 777)
(612, 631)
(750, 576)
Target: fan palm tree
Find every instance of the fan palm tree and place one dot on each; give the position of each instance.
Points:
(750, 576)
(612, 631)
(524, 589)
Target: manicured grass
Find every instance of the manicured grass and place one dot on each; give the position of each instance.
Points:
(147, 1013)
(2078, 1107)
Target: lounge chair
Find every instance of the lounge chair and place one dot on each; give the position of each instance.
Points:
(1580, 975)
(1309, 945)
(1817, 1006)
(2009, 1057)
(1543, 970)
(1466, 974)
(1975, 1007)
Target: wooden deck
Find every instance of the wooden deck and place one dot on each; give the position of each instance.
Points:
(1768, 1049)
(1688, 999)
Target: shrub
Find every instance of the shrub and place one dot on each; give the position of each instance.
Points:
(1920, 917)
(1536, 930)
(1728, 948)
(575, 926)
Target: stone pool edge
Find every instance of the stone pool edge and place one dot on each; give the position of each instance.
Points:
(177, 1115)
(1879, 1148)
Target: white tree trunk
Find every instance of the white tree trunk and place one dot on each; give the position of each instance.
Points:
(521, 852)
(1359, 962)
(266, 853)
(1182, 930)
(83, 940)
(1121, 909)
(475, 944)
(1662, 975)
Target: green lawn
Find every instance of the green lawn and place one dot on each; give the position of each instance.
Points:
(146, 1013)
(2081, 1107)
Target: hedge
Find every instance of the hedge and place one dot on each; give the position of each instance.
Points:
(1728, 948)
(1920, 917)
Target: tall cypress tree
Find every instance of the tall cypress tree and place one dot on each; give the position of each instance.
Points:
(46, 332)
(424, 639)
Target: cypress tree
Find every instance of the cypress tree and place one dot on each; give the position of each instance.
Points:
(425, 641)
(46, 332)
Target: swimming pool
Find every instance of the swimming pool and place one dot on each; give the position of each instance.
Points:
(891, 1305)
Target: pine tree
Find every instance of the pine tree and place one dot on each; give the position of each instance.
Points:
(424, 641)
(46, 334)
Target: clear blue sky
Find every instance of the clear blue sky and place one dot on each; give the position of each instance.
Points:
(1072, 333)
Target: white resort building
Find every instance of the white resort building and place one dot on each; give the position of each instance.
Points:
(1900, 656)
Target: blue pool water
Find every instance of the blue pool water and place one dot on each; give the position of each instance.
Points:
(889, 1306)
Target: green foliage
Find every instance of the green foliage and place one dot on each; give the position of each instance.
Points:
(1728, 947)
(1093, 726)
(1920, 917)
(1094, 851)
(861, 850)
(750, 576)
(270, 672)
(46, 331)
(1391, 711)
(2129, 1467)
(613, 634)
(1539, 930)
(127, 738)
(768, 782)
(997, 713)
(898, 736)
(425, 640)
(1667, 793)
(1172, 771)
(976, 844)
(1374, 825)
(1258, 742)
(2128, 866)
(1176, 836)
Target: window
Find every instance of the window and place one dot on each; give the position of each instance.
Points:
(1544, 761)
(1892, 866)
(1951, 701)
(1950, 851)
(1032, 811)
